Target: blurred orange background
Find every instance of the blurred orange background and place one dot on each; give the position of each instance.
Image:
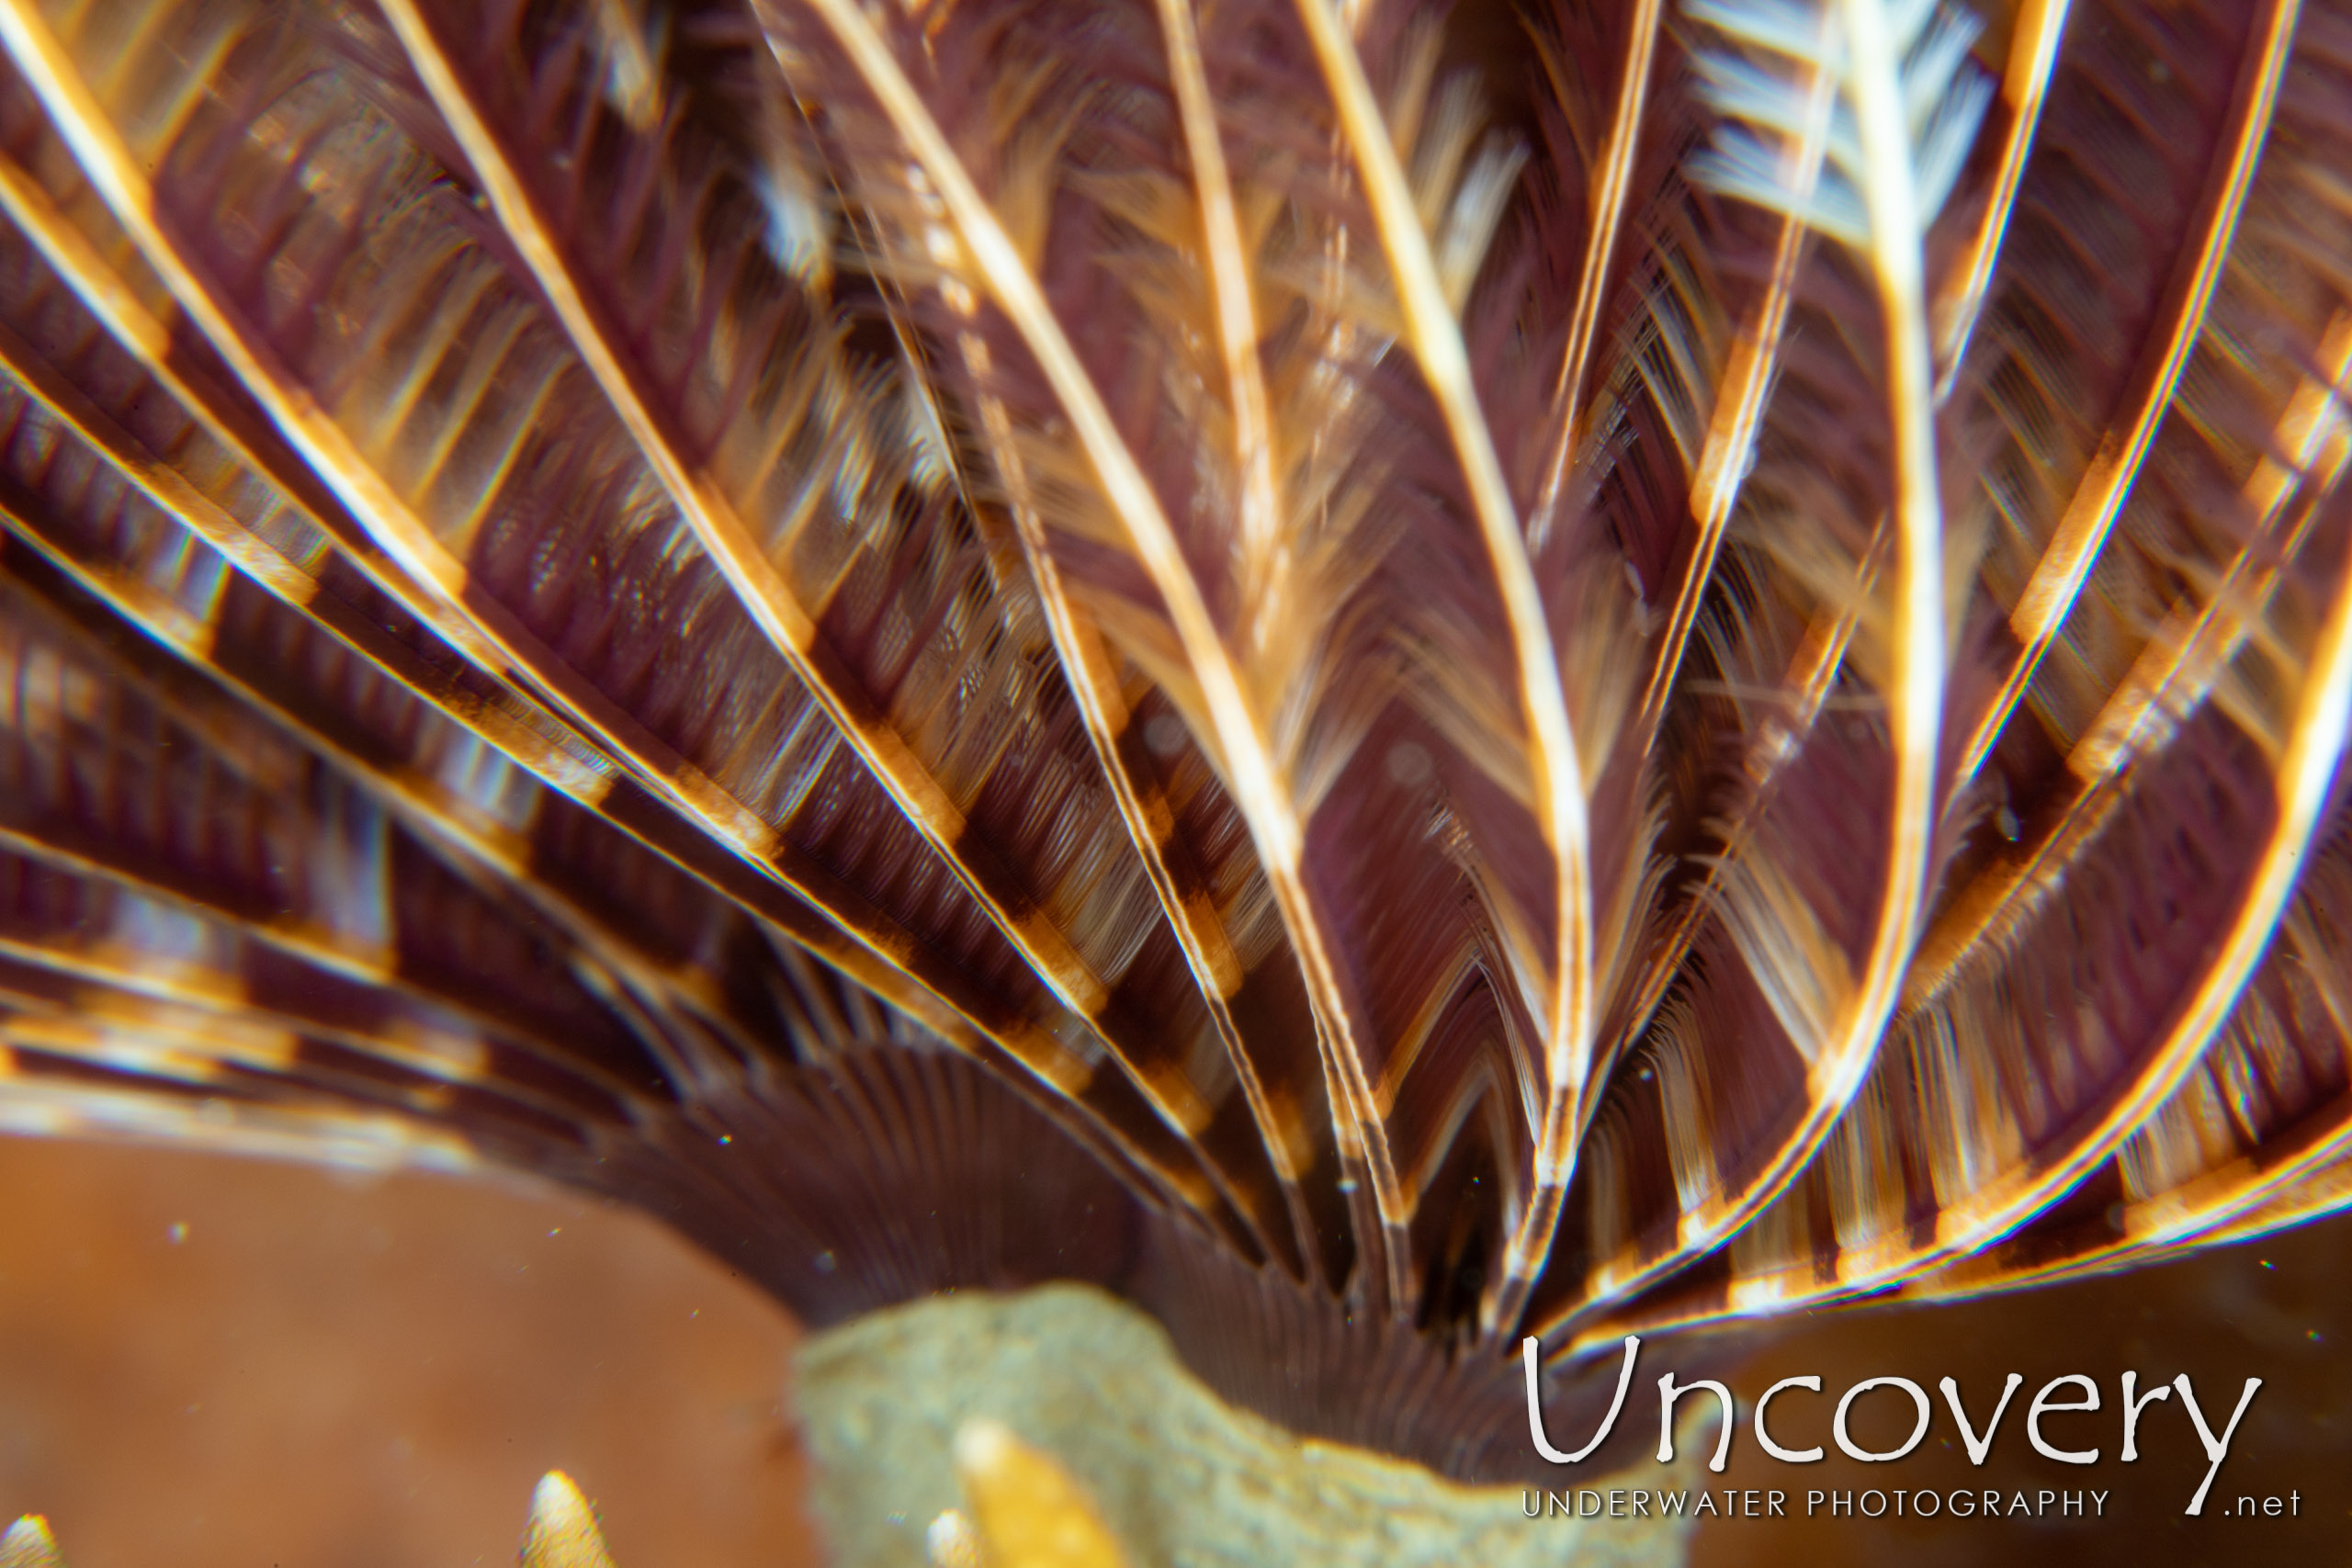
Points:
(225, 1363)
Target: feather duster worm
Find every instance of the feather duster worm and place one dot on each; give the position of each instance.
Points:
(1389, 677)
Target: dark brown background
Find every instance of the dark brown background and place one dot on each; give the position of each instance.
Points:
(338, 1372)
